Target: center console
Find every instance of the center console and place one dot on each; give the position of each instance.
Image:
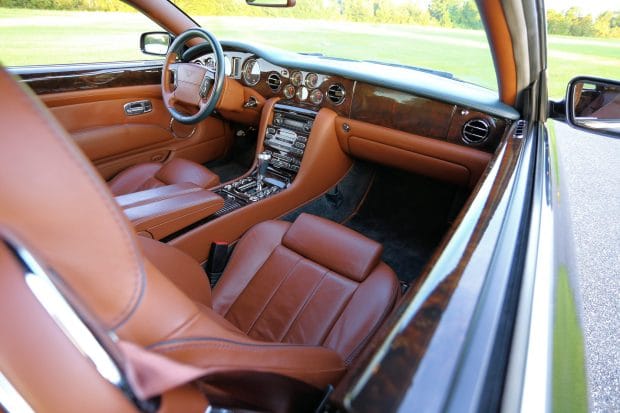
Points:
(284, 146)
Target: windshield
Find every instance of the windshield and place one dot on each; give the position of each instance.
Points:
(418, 33)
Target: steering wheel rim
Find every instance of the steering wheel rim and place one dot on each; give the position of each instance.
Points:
(186, 76)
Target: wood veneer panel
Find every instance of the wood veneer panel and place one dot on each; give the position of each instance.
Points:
(401, 111)
(88, 79)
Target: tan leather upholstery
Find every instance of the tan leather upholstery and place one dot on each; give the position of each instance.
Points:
(161, 211)
(84, 238)
(312, 282)
(154, 175)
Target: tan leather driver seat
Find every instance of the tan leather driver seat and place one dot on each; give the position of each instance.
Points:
(154, 174)
(296, 300)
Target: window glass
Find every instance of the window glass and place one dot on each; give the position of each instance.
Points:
(78, 31)
(441, 35)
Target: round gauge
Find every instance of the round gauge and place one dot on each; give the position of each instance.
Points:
(210, 63)
(316, 96)
(302, 93)
(289, 91)
(297, 78)
(312, 80)
(251, 72)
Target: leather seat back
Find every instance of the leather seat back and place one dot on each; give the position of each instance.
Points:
(311, 282)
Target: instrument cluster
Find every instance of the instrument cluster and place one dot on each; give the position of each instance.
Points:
(272, 80)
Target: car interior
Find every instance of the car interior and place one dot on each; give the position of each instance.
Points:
(255, 215)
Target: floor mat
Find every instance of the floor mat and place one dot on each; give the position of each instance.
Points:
(239, 159)
(409, 215)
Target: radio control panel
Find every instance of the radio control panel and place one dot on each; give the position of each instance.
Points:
(287, 137)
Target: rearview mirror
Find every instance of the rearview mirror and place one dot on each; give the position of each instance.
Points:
(594, 104)
(155, 43)
(271, 3)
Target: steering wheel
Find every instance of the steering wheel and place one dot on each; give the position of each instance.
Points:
(189, 83)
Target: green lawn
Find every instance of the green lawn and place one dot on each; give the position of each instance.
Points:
(47, 37)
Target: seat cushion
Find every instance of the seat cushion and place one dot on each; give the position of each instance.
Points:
(153, 174)
(294, 292)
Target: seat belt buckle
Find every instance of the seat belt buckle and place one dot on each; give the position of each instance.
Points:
(217, 260)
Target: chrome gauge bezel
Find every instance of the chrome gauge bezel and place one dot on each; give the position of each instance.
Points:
(247, 72)
(316, 96)
(312, 80)
(289, 91)
(297, 78)
(302, 93)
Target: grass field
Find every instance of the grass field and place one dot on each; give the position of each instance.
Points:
(47, 37)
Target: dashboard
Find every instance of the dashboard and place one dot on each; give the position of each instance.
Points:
(363, 101)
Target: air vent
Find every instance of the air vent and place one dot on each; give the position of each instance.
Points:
(520, 129)
(336, 93)
(274, 82)
(476, 131)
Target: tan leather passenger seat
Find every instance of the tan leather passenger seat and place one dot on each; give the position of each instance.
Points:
(312, 282)
(153, 175)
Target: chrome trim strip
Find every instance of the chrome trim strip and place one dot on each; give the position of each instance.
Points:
(10, 399)
(528, 381)
(449, 258)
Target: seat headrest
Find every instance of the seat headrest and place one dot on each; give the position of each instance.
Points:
(334, 246)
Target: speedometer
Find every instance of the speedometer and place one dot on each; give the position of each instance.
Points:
(251, 72)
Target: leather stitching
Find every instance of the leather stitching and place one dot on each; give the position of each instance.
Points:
(244, 240)
(288, 274)
(340, 312)
(303, 307)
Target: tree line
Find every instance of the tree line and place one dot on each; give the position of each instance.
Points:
(444, 13)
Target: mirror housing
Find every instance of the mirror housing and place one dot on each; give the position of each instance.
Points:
(155, 43)
(271, 3)
(594, 104)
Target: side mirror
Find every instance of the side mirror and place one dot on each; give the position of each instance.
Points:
(271, 3)
(155, 43)
(594, 104)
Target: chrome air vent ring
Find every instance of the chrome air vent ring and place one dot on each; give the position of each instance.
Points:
(336, 93)
(274, 82)
(476, 131)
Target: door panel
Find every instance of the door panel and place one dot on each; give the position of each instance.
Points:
(90, 105)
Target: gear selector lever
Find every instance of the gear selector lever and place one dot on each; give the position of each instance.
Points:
(263, 164)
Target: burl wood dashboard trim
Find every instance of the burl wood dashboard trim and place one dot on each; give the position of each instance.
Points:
(421, 116)
(88, 79)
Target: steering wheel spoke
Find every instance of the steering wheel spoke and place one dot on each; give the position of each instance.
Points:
(192, 84)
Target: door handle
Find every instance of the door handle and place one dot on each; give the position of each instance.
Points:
(138, 108)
